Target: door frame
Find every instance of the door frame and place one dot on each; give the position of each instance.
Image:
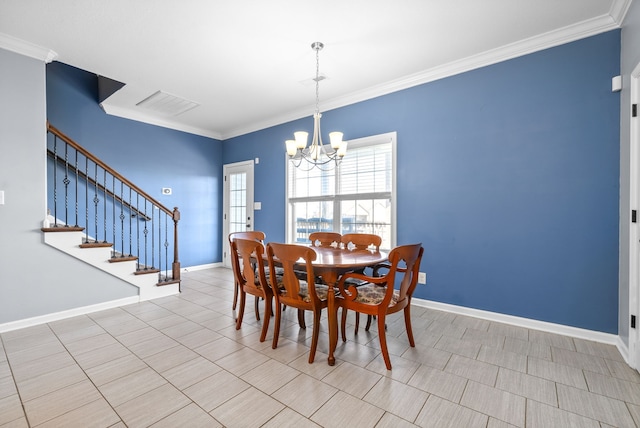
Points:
(227, 169)
(634, 232)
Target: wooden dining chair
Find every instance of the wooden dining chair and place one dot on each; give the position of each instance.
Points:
(252, 279)
(294, 292)
(251, 234)
(325, 239)
(378, 297)
(361, 241)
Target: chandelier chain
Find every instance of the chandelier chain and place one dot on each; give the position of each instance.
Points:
(318, 79)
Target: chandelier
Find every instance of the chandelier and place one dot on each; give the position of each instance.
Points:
(316, 155)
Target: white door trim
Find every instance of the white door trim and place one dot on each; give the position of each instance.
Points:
(248, 167)
(634, 233)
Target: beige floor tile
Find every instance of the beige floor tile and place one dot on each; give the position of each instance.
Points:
(287, 418)
(128, 387)
(428, 356)
(622, 371)
(139, 335)
(319, 369)
(95, 357)
(352, 379)
(82, 333)
(496, 423)
(579, 360)
(594, 406)
(440, 413)
(96, 414)
(242, 361)
(211, 392)
(635, 412)
(456, 346)
(510, 331)
(71, 324)
(439, 328)
(217, 349)
(52, 405)
(528, 386)
(150, 347)
(540, 415)
(440, 383)
(551, 339)
(176, 331)
(249, 408)
(115, 369)
(193, 371)
(270, 376)
(398, 398)
(502, 405)
(91, 343)
(10, 409)
(305, 394)
(151, 407)
(483, 337)
(23, 371)
(199, 337)
(51, 381)
(472, 369)
(36, 352)
(287, 350)
(531, 349)
(559, 373)
(502, 358)
(598, 349)
(389, 420)
(7, 387)
(345, 410)
(402, 369)
(169, 358)
(191, 416)
(612, 387)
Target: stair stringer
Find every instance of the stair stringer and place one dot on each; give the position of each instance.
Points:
(69, 242)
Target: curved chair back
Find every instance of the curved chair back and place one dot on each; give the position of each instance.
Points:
(325, 239)
(361, 241)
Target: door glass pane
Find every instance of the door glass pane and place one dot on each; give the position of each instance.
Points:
(238, 202)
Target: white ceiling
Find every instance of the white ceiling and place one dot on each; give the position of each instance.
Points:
(249, 63)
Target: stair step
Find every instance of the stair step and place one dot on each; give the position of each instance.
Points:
(121, 258)
(146, 271)
(95, 244)
(62, 228)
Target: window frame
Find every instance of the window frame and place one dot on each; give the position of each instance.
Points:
(389, 137)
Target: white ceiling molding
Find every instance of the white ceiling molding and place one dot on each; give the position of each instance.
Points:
(619, 10)
(22, 47)
(537, 43)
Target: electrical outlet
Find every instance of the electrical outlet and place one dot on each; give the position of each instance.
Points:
(422, 278)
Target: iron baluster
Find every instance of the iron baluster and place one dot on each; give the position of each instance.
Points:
(55, 180)
(138, 231)
(166, 247)
(96, 200)
(153, 237)
(66, 182)
(104, 194)
(146, 234)
(86, 201)
(121, 219)
(130, 225)
(113, 214)
(76, 197)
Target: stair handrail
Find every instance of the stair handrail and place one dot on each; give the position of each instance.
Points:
(175, 214)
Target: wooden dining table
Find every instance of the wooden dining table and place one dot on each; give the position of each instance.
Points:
(329, 264)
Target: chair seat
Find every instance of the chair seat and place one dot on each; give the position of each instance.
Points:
(372, 294)
(321, 290)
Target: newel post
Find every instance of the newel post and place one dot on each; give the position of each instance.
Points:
(176, 260)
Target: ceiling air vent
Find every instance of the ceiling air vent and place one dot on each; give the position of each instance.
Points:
(161, 102)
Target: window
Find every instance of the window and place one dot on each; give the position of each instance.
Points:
(356, 197)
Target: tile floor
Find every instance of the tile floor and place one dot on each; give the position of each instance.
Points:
(179, 361)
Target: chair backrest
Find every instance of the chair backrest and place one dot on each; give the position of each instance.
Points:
(405, 259)
(361, 241)
(325, 239)
(255, 235)
(287, 256)
(247, 257)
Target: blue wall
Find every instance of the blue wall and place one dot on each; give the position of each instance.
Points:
(509, 176)
(150, 156)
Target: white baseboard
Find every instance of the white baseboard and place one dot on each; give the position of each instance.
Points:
(579, 333)
(201, 267)
(43, 319)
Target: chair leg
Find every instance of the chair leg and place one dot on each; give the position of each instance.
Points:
(243, 297)
(314, 336)
(257, 309)
(382, 334)
(369, 318)
(357, 322)
(343, 324)
(267, 318)
(276, 327)
(303, 325)
(235, 295)
(407, 324)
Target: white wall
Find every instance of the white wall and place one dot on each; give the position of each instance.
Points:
(34, 278)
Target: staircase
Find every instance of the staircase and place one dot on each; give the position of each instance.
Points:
(130, 235)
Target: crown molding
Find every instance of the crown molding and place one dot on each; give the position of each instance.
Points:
(537, 43)
(25, 48)
(127, 113)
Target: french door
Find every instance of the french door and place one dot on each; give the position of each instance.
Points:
(237, 202)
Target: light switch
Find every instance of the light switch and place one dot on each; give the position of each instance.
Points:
(1, 197)
(257, 205)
